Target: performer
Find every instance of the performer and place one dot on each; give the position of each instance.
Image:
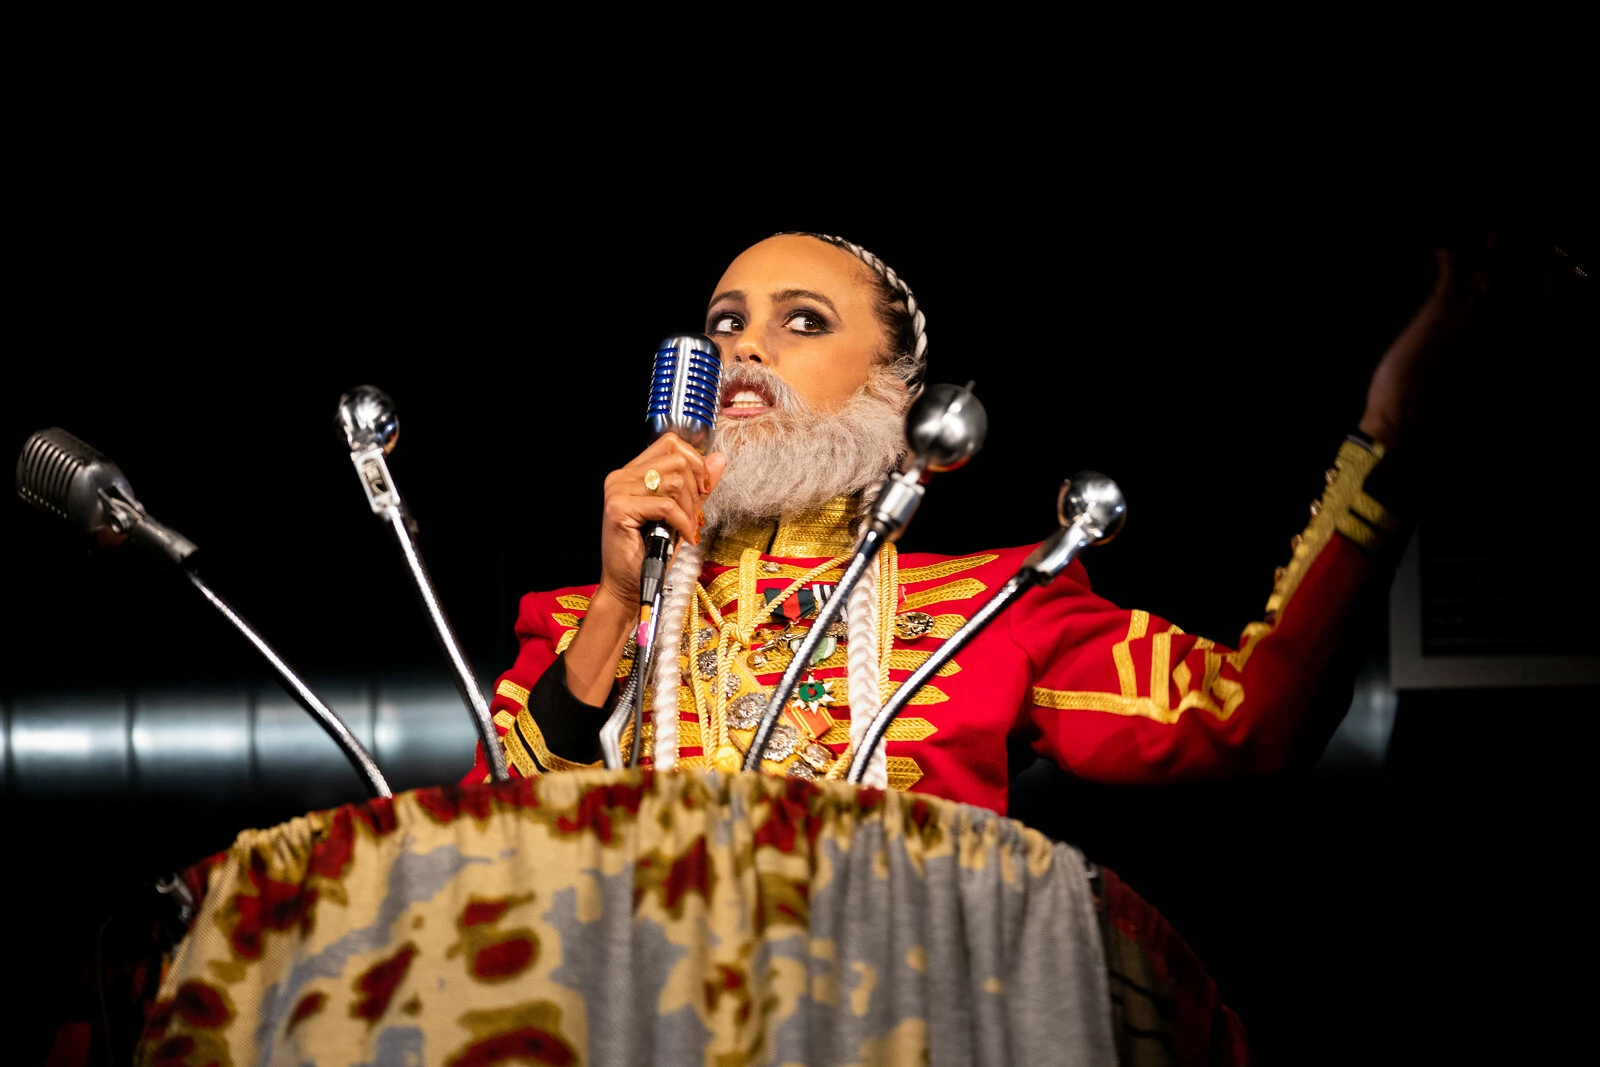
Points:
(823, 347)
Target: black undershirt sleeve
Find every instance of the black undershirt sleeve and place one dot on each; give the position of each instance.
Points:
(571, 728)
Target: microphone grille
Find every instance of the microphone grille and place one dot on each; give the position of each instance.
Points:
(49, 461)
(684, 387)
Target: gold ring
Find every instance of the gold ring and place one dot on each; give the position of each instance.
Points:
(652, 481)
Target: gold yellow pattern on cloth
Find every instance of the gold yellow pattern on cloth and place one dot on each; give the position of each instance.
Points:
(965, 589)
(1138, 622)
(464, 926)
(818, 534)
(904, 772)
(944, 569)
(524, 742)
(909, 659)
(573, 602)
(512, 691)
(564, 618)
(1343, 506)
(903, 728)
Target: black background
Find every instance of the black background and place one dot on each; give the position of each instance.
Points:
(1200, 322)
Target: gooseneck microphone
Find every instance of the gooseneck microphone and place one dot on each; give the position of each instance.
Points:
(685, 382)
(63, 476)
(944, 429)
(1091, 510)
(371, 428)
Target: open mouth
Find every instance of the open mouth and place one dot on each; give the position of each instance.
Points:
(744, 399)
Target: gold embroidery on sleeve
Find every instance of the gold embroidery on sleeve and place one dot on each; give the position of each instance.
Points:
(564, 640)
(563, 618)
(504, 719)
(512, 691)
(929, 694)
(1161, 667)
(573, 602)
(1138, 623)
(1343, 496)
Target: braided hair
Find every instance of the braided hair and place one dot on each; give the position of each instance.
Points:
(902, 319)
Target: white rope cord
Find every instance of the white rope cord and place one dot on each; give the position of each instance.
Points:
(676, 621)
(862, 660)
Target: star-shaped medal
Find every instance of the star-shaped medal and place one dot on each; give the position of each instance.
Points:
(814, 693)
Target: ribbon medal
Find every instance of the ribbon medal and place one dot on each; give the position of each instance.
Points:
(813, 693)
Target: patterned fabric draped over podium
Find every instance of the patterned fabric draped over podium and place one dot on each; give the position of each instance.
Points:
(625, 918)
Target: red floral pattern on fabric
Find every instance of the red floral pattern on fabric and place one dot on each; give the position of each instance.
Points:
(196, 1003)
(274, 906)
(527, 1044)
(307, 1006)
(378, 984)
(503, 959)
(596, 807)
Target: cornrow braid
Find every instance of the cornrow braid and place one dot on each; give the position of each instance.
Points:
(897, 308)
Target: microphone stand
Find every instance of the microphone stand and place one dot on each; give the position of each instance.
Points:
(353, 751)
(1095, 523)
(367, 418)
(461, 670)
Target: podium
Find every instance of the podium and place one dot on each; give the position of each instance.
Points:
(630, 917)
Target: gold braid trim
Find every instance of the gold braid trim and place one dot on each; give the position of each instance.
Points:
(909, 659)
(902, 729)
(904, 772)
(935, 571)
(564, 640)
(1066, 700)
(945, 626)
(965, 589)
(573, 602)
(1122, 656)
(524, 742)
(512, 691)
(1343, 507)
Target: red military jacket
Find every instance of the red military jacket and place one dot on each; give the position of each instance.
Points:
(1108, 694)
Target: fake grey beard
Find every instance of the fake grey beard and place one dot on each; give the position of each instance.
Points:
(794, 458)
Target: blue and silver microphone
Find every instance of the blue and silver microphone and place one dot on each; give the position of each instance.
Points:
(684, 388)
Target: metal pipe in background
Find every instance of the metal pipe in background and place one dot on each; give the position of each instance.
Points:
(227, 743)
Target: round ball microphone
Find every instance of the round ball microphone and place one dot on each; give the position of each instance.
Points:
(368, 420)
(1095, 503)
(946, 427)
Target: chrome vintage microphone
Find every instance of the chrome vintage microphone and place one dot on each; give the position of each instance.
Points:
(944, 429)
(1091, 510)
(684, 384)
(370, 426)
(61, 475)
